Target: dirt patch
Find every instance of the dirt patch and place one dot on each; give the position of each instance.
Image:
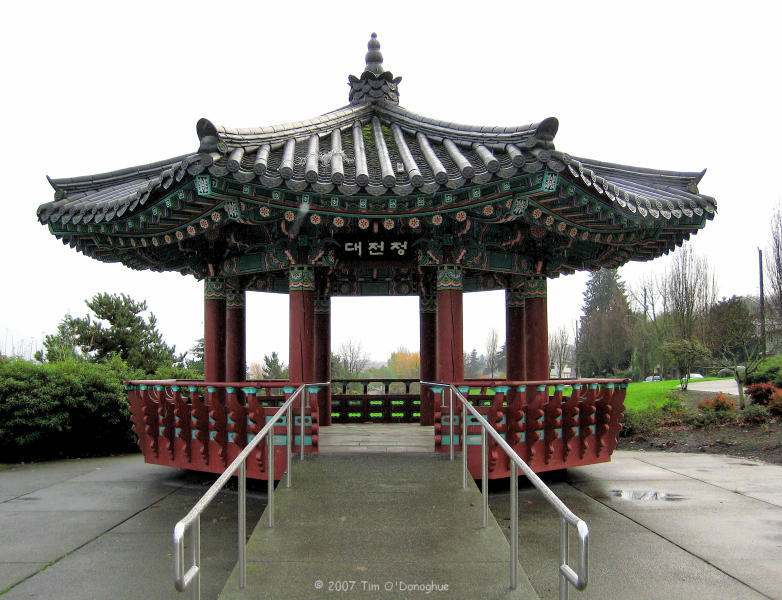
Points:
(763, 441)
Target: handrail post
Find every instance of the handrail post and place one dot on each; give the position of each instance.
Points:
(484, 478)
(514, 522)
(465, 473)
(288, 446)
(563, 556)
(242, 524)
(270, 474)
(196, 551)
(450, 403)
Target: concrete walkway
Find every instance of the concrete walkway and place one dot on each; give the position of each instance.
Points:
(391, 525)
(726, 386)
(663, 525)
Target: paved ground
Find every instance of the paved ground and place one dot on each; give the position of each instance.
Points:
(726, 386)
(102, 528)
(378, 526)
(390, 437)
(662, 526)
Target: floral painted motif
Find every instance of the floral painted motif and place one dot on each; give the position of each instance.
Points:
(437, 220)
(488, 210)
(144, 242)
(190, 230)
(388, 224)
(155, 242)
(339, 222)
(265, 212)
(537, 213)
(561, 226)
(216, 216)
(180, 235)
(585, 235)
(573, 232)
(549, 221)
(203, 223)
(289, 215)
(414, 223)
(315, 219)
(461, 216)
(363, 223)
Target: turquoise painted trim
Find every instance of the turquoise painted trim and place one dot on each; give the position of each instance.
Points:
(446, 440)
(297, 420)
(521, 388)
(523, 436)
(231, 421)
(211, 389)
(436, 389)
(177, 431)
(463, 388)
(230, 390)
(192, 388)
(129, 388)
(250, 390)
(280, 440)
(624, 386)
(540, 388)
(576, 386)
(211, 420)
(159, 388)
(313, 389)
(174, 388)
(193, 433)
(288, 389)
(307, 440)
(559, 387)
(445, 419)
(142, 387)
(212, 435)
(593, 386)
(501, 389)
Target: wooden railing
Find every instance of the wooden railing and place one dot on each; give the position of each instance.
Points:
(204, 425)
(551, 424)
(375, 400)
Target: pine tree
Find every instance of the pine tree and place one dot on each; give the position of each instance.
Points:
(604, 337)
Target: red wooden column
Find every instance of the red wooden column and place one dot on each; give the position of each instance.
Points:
(323, 354)
(235, 335)
(536, 329)
(428, 350)
(301, 287)
(514, 330)
(214, 329)
(450, 358)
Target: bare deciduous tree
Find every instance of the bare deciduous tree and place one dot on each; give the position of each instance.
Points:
(774, 265)
(493, 352)
(559, 349)
(349, 361)
(689, 290)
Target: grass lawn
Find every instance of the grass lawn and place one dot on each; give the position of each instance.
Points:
(642, 394)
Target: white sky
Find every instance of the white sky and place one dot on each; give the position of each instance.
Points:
(93, 87)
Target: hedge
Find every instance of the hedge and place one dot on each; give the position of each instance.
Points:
(67, 409)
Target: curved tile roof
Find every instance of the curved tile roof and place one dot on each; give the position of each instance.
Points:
(374, 147)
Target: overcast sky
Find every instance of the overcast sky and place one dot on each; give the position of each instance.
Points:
(94, 87)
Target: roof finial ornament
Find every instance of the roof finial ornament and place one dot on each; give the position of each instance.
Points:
(375, 84)
(374, 57)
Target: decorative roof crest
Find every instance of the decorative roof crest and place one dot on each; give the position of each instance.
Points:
(375, 83)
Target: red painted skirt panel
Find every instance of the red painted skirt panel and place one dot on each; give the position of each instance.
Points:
(205, 431)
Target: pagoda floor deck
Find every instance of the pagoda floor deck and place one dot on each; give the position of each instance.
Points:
(377, 523)
(381, 438)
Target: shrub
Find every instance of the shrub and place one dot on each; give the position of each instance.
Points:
(720, 404)
(770, 370)
(761, 392)
(61, 409)
(755, 413)
(775, 403)
(644, 421)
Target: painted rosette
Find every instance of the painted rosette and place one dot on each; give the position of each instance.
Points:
(338, 222)
(363, 223)
(388, 224)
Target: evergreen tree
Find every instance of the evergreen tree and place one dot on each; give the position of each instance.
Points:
(604, 336)
(273, 368)
(118, 329)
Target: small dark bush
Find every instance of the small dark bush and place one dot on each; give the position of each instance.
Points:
(775, 403)
(755, 413)
(761, 392)
(645, 421)
(62, 409)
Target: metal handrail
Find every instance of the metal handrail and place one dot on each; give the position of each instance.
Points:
(567, 574)
(184, 579)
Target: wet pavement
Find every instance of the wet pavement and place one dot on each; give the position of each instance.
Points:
(663, 525)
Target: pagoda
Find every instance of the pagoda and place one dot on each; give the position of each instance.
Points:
(372, 199)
